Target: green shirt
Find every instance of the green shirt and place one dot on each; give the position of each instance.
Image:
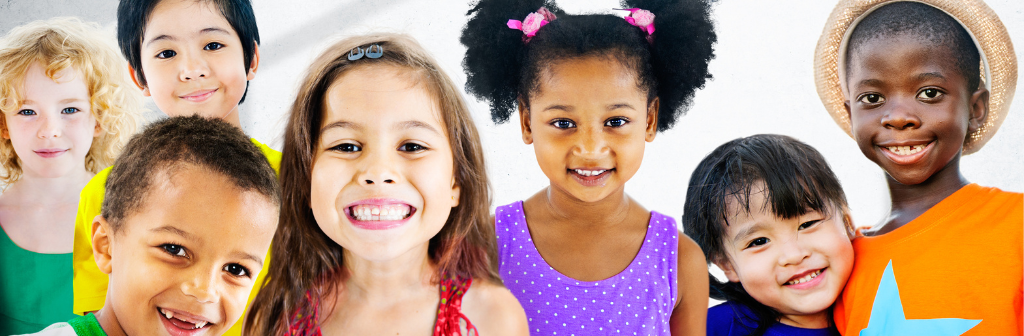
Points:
(79, 326)
(35, 288)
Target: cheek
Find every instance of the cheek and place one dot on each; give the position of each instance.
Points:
(328, 178)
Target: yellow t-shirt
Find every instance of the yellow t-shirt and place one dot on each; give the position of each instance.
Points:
(90, 284)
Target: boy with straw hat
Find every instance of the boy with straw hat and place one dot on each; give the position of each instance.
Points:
(917, 85)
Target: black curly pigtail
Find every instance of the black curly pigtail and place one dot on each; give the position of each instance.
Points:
(504, 70)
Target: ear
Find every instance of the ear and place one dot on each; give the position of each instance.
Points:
(978, 110)
(846, 106)
(524, 121)
(730, 271)
(851, 230)
(101, 243)
(135, 79)
(255, 64)
(456, 193)
(652, 119)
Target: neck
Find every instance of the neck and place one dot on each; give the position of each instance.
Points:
(232, 118)
(911, 200)
(35, 190)
(611, 210)
(388, 281)
(108, 320)
(812, 321)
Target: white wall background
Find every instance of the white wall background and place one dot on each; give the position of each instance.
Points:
(763, 84)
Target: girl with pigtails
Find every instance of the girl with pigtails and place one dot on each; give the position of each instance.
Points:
(581, 256)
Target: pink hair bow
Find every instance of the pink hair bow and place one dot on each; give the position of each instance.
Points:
(532, 23)
(641, 18)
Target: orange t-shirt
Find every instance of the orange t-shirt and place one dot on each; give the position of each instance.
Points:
(955, 270)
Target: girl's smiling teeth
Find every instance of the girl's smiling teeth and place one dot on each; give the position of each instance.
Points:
(375, 212)
(183, 322)
(906, 150)
(584, 172)
(805, 278)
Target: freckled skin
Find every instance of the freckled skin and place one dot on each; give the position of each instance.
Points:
(905, 91)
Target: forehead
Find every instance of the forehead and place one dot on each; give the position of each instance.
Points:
(380, 95)
(900, 52)
(68, 81)
(203, 202)
(185, 17)
(601, 75)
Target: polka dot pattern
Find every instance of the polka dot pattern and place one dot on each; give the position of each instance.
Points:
(637, 301)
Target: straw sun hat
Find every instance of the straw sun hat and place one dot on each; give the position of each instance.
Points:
(998, 61)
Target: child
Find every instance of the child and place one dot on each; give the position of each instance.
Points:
(770, 213)
(947, 260)
(386, 229)
(580, 255)
(193, 58)
(190, 210)
(68, 109)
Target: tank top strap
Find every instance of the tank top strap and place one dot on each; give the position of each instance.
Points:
(449, 310)
(665, 238)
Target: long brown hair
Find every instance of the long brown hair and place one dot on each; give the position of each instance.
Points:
(305, 261)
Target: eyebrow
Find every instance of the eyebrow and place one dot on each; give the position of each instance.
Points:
(415, 124)
(204, 31)
(174, 230)
(249, 256)
(870, 82)
(341, 124)
(747, 232)
(928, 75)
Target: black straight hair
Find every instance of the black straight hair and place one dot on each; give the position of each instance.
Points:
(503, 69)
(796, 179)
(133, 16)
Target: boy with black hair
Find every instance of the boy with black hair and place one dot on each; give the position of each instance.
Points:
(191, 208)
(194, 58)
(948, 258)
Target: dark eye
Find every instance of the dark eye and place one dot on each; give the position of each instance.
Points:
(872, 98)
(166, 54)
(411, 147)
(616, 122)
(563, 123)
(237, 270)
(27, 112)
(175, 250)
(757, 242)
(929, 94)
(347, 148)
(69, 110)
(809, 224)
(213, 46)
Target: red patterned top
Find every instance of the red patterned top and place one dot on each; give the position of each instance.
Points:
(305, 321)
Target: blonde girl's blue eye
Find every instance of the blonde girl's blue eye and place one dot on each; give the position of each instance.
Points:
(69, 110)
(616, 122)
(213, 46)
(175, 250)
(871, 99)
(237, 270)
(166, 54)
(757, 242)
(929, 94)
(27, 112)
(563, 123)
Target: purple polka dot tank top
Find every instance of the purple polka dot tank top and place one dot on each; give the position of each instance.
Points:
(637, 301)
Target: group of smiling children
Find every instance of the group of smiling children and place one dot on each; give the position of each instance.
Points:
(197, 229)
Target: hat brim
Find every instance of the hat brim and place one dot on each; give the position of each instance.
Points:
(999, 62)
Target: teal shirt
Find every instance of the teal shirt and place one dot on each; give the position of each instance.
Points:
(35, 288)
(79, 326)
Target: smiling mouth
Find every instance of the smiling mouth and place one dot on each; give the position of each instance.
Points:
(380, 212)
(805, 278)
(49, 153)
(183, 322)
(198, 96)
(906, 150)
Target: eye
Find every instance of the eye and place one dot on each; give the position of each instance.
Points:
(616, 122)
(871, 98)
(929, 94)
(563, 123)
(69, 110)
(166, 54)
(175, 250)
(809, 224)
(346, 148)
(757, 242)
(27, 112)
(412, 147)
(237, 270)
(213, 46)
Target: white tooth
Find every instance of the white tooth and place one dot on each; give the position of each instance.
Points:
(375, 211)
(200, 324)
(169, 314)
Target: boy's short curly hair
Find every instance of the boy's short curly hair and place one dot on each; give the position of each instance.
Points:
(502, 69)
(171, 143)
(59, 44)
(133, 15)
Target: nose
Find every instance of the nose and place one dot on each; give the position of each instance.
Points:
(193, 67)
(200, 285)
(900, 116)
(377, 168)
(50, 127)
(591, 143)
(793, 253)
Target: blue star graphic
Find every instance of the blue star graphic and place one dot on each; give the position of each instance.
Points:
(887, 316)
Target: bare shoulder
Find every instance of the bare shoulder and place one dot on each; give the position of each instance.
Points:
(690, 254)
(493, 309)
